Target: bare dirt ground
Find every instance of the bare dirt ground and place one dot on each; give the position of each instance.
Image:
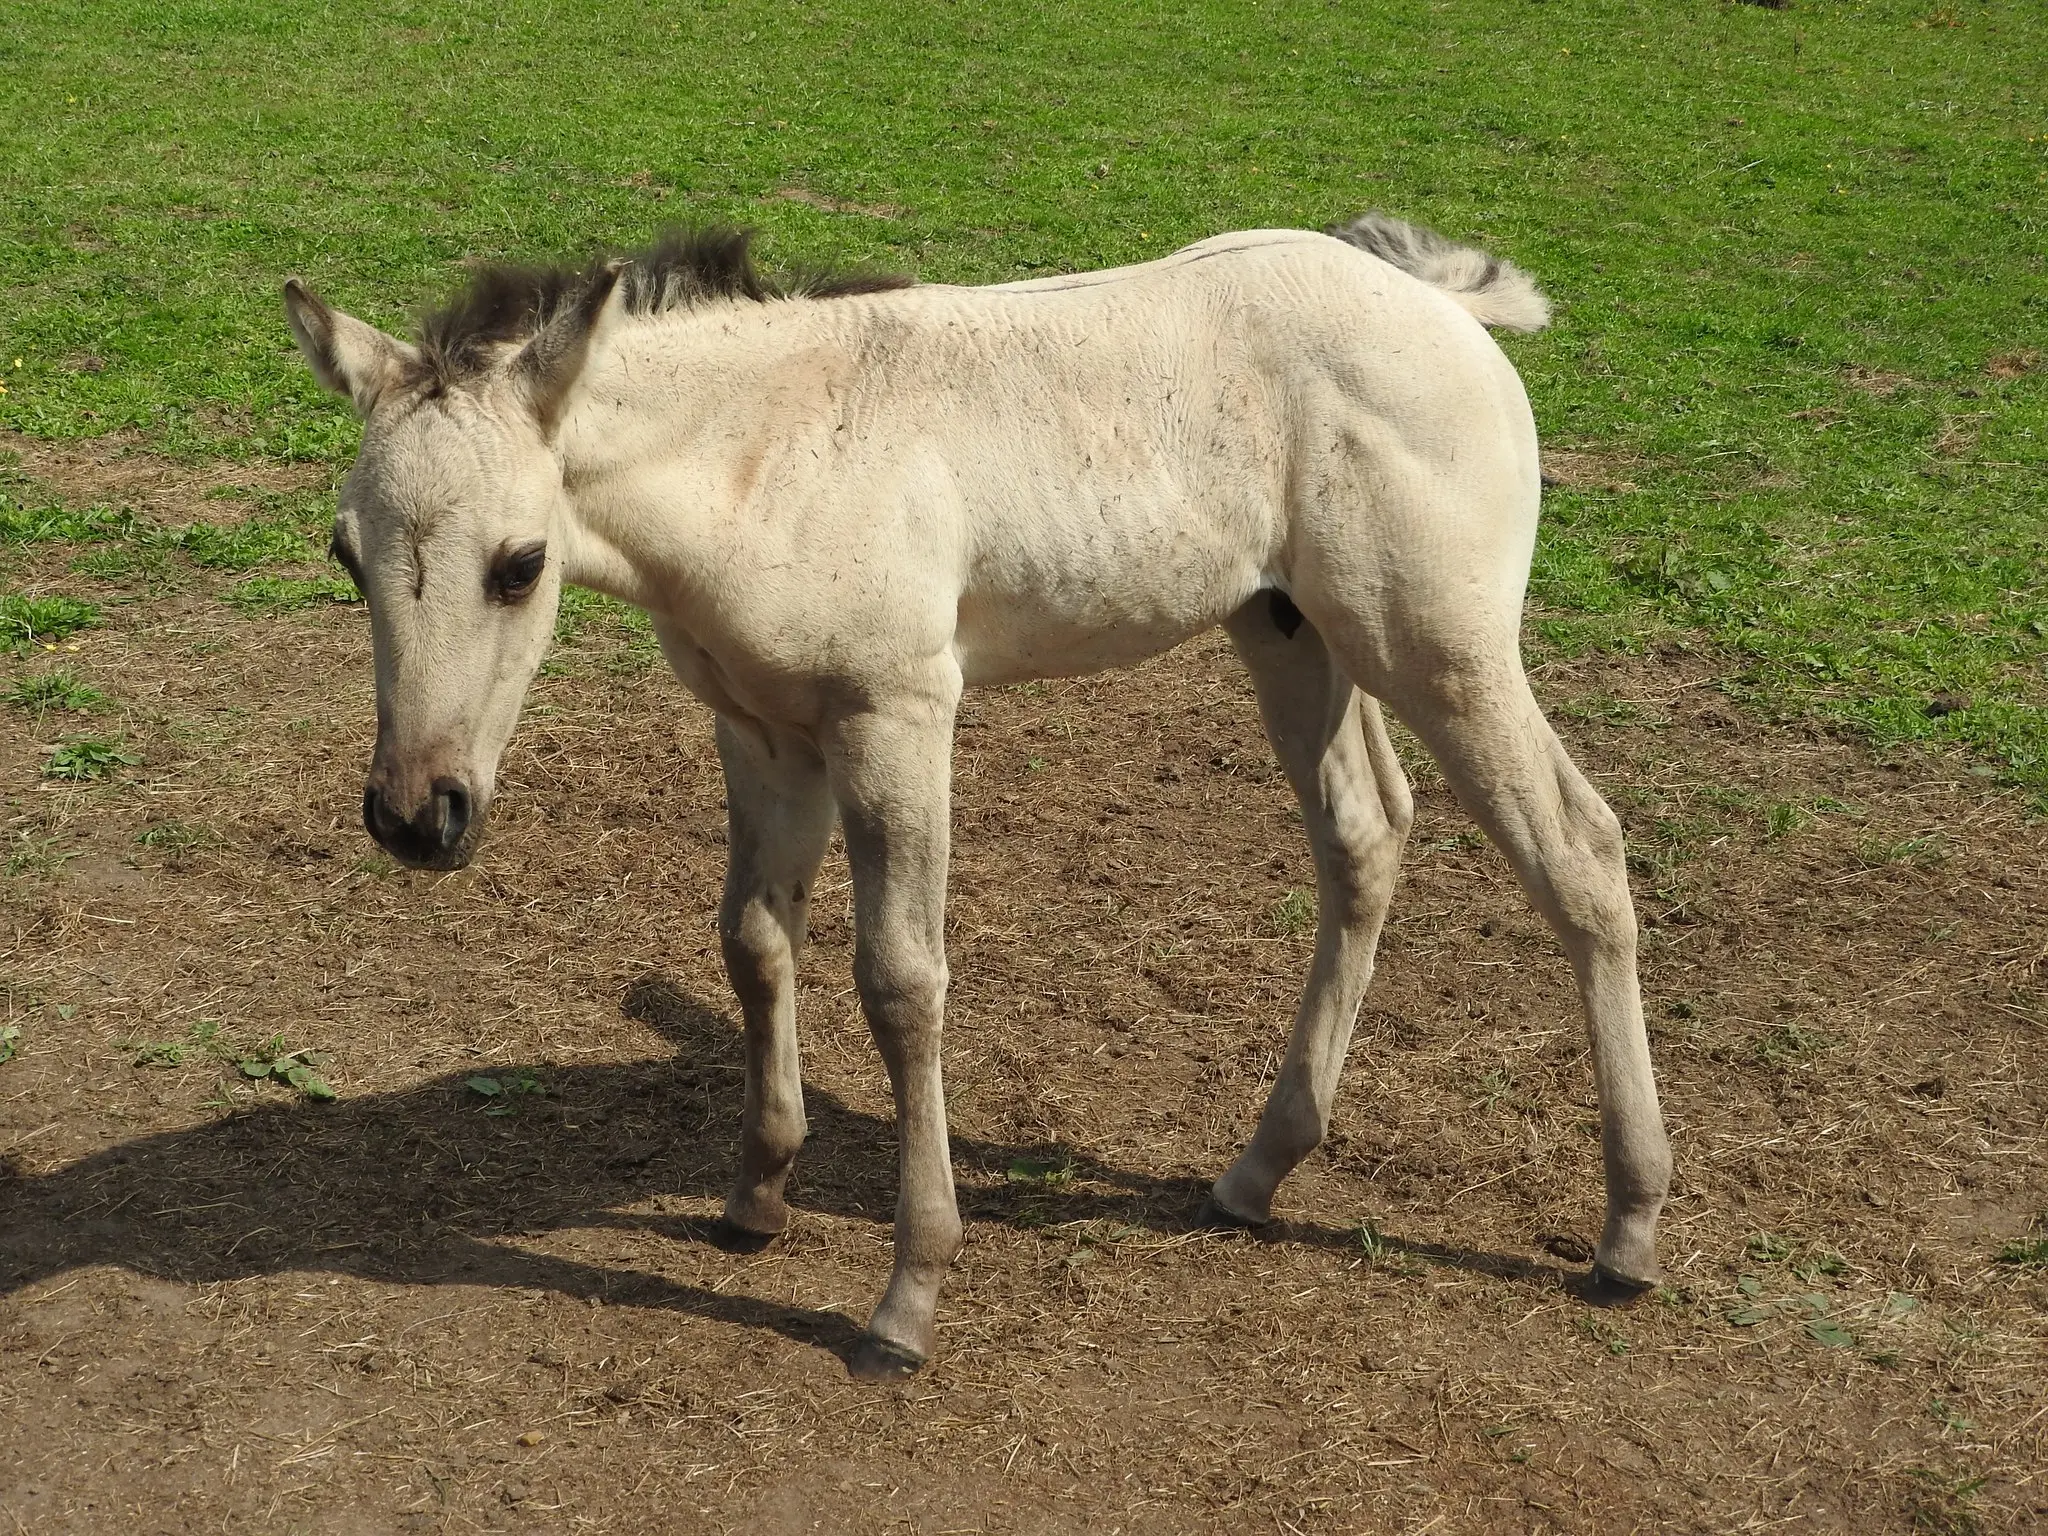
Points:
(225, 1307)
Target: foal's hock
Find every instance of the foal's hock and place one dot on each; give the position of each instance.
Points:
(844, 499)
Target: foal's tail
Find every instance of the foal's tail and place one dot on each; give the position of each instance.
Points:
(1496, 292)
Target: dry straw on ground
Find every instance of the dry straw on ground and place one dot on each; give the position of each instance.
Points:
(229, 1308)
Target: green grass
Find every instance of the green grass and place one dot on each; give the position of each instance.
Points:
(29, 519)
(29, 621)
(244, 546)
(262, 1061)
(286, 594)
(2027, 1252)
(84, 759)
(53, 690)
(1798, 255)
(175, 839)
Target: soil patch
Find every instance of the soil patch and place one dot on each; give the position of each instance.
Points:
(226, 1306)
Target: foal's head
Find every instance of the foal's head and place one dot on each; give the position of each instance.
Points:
(453, 523)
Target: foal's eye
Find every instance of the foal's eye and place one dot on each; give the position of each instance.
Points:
(515, 573)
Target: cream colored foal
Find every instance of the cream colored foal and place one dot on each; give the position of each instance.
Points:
(842, 501)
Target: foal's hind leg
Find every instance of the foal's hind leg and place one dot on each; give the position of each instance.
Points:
(779, 815)
(1356, 807)
(1473, 710)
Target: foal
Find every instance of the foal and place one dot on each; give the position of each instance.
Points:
(842, 501)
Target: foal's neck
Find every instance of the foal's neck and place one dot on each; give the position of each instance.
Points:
(651, 451)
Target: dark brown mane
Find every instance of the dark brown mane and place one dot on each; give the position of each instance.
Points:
(507, 305)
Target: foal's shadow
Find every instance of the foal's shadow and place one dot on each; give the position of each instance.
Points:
(421, 1186)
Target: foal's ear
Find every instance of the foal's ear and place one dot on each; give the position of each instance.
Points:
(347, 356)
(550, 363)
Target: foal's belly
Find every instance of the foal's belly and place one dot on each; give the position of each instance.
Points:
(1091, 620)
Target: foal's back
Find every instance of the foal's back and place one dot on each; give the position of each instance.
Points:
(1273, 408)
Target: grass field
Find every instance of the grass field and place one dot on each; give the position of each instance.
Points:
(1790, 608)
(1796, 380)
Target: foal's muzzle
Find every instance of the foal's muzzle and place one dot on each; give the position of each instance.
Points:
(433, 836)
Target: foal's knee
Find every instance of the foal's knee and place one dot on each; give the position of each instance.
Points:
(900, 989)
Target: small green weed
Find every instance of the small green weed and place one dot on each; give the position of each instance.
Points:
(2027, 1252)
(1819, 1265)
(1752, 1307)
(1782, 818)
(33, 856)
(1876, 853)
(295, 1068)
(1952, 1422)
(1518, 1454)
(1499, 1087)
(1293, 914)
(203, 1039)
(282, 594)
(1603, 1333)
(21, 524)
(243, 546)
(175, 839)
(1382, 1252)
(506, 1090)
(10, 1042)
(1768, 1248)
(1040, 1182)
(1941, 1504)
(1808, 1262)
(1053, 1172)
(85, 758)
(268, 1061)
(54, 690)
(27, 621)
(1790, 1044)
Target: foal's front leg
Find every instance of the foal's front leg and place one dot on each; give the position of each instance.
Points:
(779, 820)
(891, 774)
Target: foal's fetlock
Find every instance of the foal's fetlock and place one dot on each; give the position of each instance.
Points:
(904, 1329)
(1236, 1200)
(755, 1215)
(1627, 1256)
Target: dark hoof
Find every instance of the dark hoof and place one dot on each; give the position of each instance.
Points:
(733, 1238)
(1603, 1285)
(876, 1359)
(1215, 1218)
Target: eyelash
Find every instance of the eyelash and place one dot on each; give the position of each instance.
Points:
(515, 576)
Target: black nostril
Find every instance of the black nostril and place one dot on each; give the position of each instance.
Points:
(450, 810)
(378, 820)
